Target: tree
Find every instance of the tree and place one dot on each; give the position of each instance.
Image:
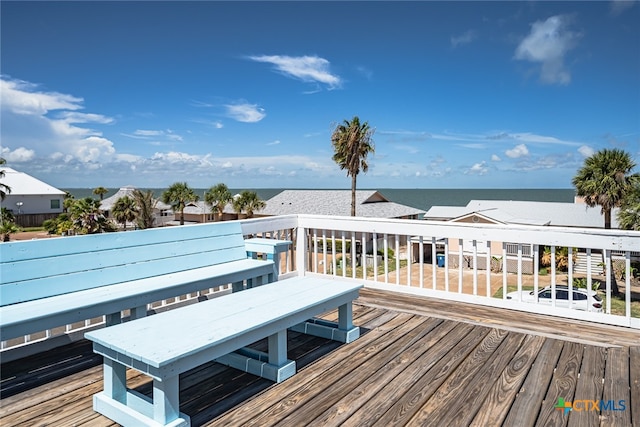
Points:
(604, 180)
(4, 188)
(7, 228)
(179, 195)
(125, 210)
(629, 214)
(145, 203)
(100, 191)
(352, 142)
(250, 202)
(87, 217)
(218, 196)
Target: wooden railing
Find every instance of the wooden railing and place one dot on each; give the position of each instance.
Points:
(403, 256)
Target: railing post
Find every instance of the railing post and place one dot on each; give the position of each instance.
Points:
(301, 250)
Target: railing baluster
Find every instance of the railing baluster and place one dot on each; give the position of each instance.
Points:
(505, 286)
(434, 265)
(627, 284)
(421, 260)
(520, 267)
(475, 267)
(397, 245)
(553, 276)
(609, 274)
(488, 268)
(386, 258)
(333, 252)
(375, 256)
(446, 264)
(363, 256)
(460, 267)
(324, 251)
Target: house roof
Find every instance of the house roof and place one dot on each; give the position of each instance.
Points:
(126, 191)
(369, 203)
(526, 212)
(22, 184)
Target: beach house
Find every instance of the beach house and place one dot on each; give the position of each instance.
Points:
(31, 201)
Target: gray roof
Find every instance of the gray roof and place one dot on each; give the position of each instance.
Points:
(369, 203)
(22, 184)
(526, 212)
(127, 191)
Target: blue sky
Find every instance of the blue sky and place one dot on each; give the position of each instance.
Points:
(460, 94)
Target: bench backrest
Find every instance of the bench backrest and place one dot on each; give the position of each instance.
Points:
(41, 268)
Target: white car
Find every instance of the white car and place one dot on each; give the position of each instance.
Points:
(583, 299)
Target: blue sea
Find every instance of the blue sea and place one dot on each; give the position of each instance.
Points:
(417, 198)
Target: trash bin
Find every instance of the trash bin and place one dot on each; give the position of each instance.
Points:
(440, 259)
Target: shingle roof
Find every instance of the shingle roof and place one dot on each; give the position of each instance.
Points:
(22, 184)
(527, 212)
(369, 203)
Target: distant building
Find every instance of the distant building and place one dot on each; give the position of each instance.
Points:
(162, 211)
(31, 201)
(369, 204)
(551, 214)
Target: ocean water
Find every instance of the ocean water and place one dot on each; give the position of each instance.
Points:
(417, 198)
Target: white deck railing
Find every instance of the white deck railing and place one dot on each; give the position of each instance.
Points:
(409, 251)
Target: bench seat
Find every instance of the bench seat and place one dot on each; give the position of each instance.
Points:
(32, 316)
(167, 344)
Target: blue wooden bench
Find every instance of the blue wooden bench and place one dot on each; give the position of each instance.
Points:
(53, 282)
(167, 344)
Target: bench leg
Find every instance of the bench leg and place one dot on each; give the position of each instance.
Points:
(278, 348)
(115, 380)
(166, 404)
(138, 312)
(113, 319)
(342, 331)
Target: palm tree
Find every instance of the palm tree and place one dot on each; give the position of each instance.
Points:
(250, 202)
(352, 142)
(179, 195)
(87, 217)
(124, 210)
(629, 214)
(238, 203)
(4, 188)
(100, 191)
(145, 203)
(218, 196)
(604, 180)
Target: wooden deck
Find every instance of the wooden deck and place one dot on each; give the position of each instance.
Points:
(419, 361)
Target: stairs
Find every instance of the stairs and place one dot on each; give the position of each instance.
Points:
(580, 266)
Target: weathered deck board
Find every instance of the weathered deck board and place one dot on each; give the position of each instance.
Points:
(416, 363)
(589, 387)
(616, 387)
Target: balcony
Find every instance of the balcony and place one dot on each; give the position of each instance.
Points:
(441, 345)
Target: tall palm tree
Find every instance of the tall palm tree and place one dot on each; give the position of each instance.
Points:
(100, 191)
(4, 188)
(179, 195)
(604, 180)
(146, 203)
(124, 210)
(352, 142)
(218, 196)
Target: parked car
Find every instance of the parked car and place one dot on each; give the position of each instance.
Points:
(583, 299)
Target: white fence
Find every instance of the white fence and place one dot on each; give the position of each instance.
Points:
(403, 256)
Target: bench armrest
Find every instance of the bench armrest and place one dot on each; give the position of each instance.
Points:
(272, 247)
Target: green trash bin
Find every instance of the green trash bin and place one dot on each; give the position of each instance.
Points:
(440, 260)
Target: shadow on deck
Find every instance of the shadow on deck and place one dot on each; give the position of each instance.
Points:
(419, 361)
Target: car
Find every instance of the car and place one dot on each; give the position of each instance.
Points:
(583, 299)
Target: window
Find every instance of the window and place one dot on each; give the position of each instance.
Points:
(512, 249)
(578, 296)
(55, 204)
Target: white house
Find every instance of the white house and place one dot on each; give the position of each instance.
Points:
(31, 201)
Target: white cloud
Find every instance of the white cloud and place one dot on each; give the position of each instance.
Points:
(46, 123)
(586, 151)
(495, 158)
(245, 112)
(18, 155)
(547, 44)
(465, 38)
(309, 69)
(276, 142)
(478, 169)
(517, 151)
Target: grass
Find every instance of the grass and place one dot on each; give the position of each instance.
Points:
(617, 302)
